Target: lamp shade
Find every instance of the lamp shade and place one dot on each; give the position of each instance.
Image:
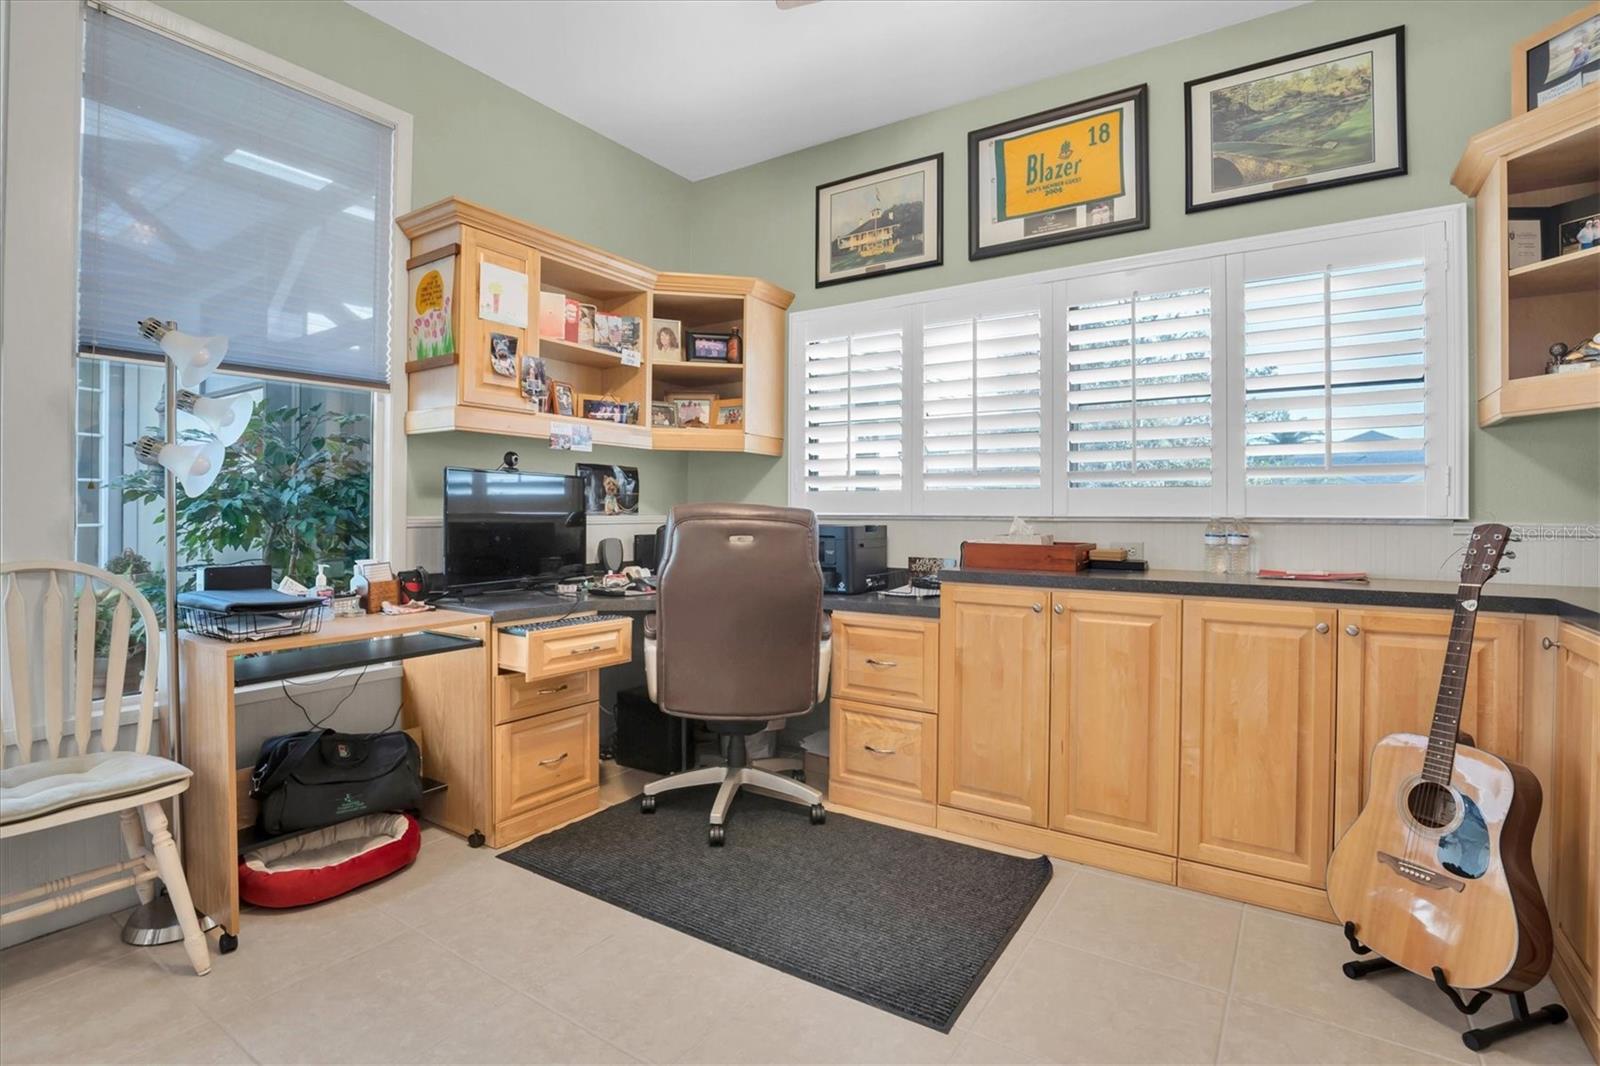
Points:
(195, 358)
(225, 417)
(195, 464)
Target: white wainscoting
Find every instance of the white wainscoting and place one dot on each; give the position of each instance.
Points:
(425, 536)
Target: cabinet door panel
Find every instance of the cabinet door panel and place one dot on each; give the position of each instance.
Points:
(994, 701)
(1256, 783)
(1114, 718)
(480, 383)
(1575, 807)
(1389, 680)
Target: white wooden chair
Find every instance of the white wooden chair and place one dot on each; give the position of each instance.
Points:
(43, 639)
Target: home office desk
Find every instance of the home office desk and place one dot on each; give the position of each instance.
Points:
(445, 689)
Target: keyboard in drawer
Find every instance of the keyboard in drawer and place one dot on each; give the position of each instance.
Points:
(883, 749)
(516, 698)
(886, 660)
(539, 651)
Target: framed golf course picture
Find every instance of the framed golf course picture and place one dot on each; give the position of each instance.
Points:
(881, 222)
(1067, 174)
(1330, 116)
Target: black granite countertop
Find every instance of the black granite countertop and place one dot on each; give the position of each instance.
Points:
(1580, 605)
(504, 607)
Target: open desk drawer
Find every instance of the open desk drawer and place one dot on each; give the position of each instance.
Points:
(539, 653)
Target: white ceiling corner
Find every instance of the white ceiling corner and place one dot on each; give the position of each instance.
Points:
(703, 87)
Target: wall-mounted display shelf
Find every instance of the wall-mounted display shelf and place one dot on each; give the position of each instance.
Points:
(476, 278)
(1543, 167)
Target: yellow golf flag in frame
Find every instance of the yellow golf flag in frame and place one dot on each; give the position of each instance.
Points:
(1067, 174)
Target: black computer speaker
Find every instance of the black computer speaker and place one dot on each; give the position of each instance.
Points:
(609, 553)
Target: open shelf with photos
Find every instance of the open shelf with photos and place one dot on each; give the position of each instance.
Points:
(1536, 181)
(517, 331)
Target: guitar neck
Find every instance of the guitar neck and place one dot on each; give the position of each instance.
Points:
(1441, 757)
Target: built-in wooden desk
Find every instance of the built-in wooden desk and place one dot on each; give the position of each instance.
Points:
(444, 656)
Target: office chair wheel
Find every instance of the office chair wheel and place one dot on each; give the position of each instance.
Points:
(818, 815)
(717, 835)
(228, 943)
(647, 805)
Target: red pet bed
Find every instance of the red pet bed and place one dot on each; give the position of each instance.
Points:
(328, 862)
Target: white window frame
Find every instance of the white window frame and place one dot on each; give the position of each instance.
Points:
(1447, 383)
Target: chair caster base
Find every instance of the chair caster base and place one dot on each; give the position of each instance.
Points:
(818, 815)
(717, 835)
(475, 839)
(647, 805)
(228, 943)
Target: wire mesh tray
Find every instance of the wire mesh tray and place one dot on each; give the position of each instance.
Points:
(250, 625)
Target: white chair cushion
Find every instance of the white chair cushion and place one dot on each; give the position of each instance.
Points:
(36, 789)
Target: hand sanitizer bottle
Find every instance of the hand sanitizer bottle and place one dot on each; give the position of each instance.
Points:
(323, 588)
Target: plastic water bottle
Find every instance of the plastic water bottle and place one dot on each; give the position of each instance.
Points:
(1239, 547)
(1216, 547)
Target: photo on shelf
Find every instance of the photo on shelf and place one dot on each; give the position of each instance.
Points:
(563, 399)
(694, 409)
(586, 313)
(707, 347)
(535, 383)
(666, 343)
(663, 415)
(503, 354)
(609, 489)
(607, 409)
(728, 414)
(1578, 235)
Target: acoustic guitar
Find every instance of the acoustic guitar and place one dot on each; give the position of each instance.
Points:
(1438, 869)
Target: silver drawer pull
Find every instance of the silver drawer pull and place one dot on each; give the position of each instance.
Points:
(879, 751)
(586, 651)
(552, 691)
(882, 662)
(552, 762)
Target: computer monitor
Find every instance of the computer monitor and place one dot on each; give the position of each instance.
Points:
(508, 529)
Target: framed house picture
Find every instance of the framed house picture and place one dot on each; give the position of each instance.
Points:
(1559, 59)
(1316, 119)
(1068, 174)
(881, 222)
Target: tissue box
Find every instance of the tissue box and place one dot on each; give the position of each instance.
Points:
(1064, 557)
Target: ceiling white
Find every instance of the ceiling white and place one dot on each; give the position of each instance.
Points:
(707, 86)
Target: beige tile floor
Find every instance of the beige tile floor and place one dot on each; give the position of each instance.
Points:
(463, 958)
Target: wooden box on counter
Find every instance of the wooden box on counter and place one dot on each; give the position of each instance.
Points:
(1062, 557)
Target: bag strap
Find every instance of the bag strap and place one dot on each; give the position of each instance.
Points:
(287, 764)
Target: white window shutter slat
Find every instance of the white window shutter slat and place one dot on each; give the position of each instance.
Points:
(853, 395)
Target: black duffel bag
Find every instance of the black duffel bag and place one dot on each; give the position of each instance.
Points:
(318, 777)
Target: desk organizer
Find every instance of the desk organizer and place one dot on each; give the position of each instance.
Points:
(250, 625)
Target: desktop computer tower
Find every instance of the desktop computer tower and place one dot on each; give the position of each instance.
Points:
(647, 738)
(851, 554)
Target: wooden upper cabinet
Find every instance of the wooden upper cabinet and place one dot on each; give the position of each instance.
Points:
(994, 701)
(479, 382)
(1257, 750)
(1114, 718)
(1389, 666)
(1574, 804)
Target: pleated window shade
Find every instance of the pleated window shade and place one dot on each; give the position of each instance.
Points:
(853, 413)
(230, 203)
(1335, 363)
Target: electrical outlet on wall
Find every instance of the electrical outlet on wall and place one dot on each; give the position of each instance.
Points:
(1135, 547)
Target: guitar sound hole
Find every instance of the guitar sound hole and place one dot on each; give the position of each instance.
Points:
(1431, 804)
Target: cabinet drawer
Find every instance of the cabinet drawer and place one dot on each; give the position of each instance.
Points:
(538, 654)
(892, 661)
(516, 697)
(884, 749)
(546, 758)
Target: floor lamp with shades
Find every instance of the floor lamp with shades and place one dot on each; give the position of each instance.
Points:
(193, 465)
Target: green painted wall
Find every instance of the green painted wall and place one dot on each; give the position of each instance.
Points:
(475, 138)
(760, 220)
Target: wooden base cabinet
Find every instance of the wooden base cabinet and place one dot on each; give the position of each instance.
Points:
(1389, 667)
(1114, 669)
(1573, 805)
(1256, 781)
(994, 702)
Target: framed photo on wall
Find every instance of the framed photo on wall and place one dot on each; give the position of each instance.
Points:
(881, 222)
(1316, 119)
(1069, 174)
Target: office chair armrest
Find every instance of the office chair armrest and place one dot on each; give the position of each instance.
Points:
(650, 626)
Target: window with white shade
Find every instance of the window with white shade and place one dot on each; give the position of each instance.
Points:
(232, 203)
(852, 426)
(982, 404)
(1317, 373)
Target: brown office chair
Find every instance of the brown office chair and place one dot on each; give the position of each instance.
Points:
(738, 639)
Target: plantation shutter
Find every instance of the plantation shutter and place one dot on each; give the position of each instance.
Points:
(982, 394)
(1338, 345)
(852, 416)
(1140, 411)
(230, 203)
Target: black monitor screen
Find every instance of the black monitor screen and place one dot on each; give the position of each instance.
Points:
(505, 528)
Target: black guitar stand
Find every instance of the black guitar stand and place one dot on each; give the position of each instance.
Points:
(1521, 1021)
